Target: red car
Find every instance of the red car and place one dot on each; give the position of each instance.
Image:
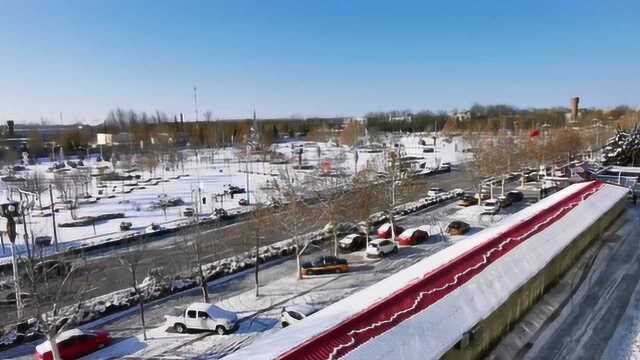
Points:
(412, 237)
(384, 231)
(74, 344)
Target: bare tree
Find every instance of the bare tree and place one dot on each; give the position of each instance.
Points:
(297, 214)
(208, 116)
(132, 259)
(36, 184)
(366, 193)
(261, 219)
(58, 291)
(396, 178)
(196, 247)
(332, 196)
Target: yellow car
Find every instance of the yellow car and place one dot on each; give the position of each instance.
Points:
(325, 265)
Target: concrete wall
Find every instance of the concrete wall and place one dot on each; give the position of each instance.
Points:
(488, 332)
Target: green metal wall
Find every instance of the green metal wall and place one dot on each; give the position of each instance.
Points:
(488, 332)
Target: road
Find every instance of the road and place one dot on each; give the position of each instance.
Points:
(582, 317)
(173, 255)
(126, 324)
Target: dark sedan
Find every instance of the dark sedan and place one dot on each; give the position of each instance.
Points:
(458, 228)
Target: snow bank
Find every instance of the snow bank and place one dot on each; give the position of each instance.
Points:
(424, 309)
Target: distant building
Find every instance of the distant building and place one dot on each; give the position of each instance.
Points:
(462, 115)
(400, 118)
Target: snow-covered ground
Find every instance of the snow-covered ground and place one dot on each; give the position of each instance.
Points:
(451, 315)
(279, 288)
(210, 173)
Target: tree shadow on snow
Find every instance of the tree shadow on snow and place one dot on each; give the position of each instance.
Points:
(121, 347)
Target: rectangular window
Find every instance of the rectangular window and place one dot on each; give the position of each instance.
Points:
(191, 314)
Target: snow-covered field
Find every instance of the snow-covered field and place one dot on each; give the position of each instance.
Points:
(207, 174)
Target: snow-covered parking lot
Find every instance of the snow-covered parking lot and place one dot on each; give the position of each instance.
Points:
(279, 287)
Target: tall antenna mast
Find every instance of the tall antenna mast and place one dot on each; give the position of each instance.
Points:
(195, 101)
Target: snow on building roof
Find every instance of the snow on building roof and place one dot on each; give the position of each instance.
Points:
(429, 305)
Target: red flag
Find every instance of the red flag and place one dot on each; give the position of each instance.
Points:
(534, 133)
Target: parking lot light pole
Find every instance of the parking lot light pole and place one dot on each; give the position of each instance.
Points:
(9, 211)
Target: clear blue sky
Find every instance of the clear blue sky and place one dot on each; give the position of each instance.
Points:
(324, 57)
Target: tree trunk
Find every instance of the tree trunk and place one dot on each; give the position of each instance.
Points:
(140, 303)
(204, 285)
(257, 267)
(54, 346)
(367, 235)
(335, 240)
(299, 266)
(393, 230)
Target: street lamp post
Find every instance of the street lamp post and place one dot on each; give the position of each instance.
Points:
(10, 211)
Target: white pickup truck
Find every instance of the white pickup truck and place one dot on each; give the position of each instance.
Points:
(203, 316)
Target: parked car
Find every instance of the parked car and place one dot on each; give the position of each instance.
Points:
(74, 344)
(152, 228)
(52, 268)
(236, 190)
(446, 166)
(468, 200)
(412, 236)
(125, 225)
(243, 202)
(491, 206)
(384, 231)
(458, 228)
(188, 212)
(203, 316)
(433, 192)
(220, 213)
(485, 193)
(515, 195)
(10, 298)
(505, 201)
(294, 313)
(43, 241)
(381, 247)
(325, 264)
(352, 242)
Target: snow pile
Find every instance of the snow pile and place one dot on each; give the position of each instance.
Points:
(572, 210)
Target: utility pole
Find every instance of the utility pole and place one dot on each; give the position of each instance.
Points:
(257, 267)
(53, 218)
(26, 234)
(195, 101)
(10, 211)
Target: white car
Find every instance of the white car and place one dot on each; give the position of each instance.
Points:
(381, 247)
(491, 206)
(204, 316)
(433, 192)
(294, 313)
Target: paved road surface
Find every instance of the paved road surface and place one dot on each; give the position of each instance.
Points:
(170, 252)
